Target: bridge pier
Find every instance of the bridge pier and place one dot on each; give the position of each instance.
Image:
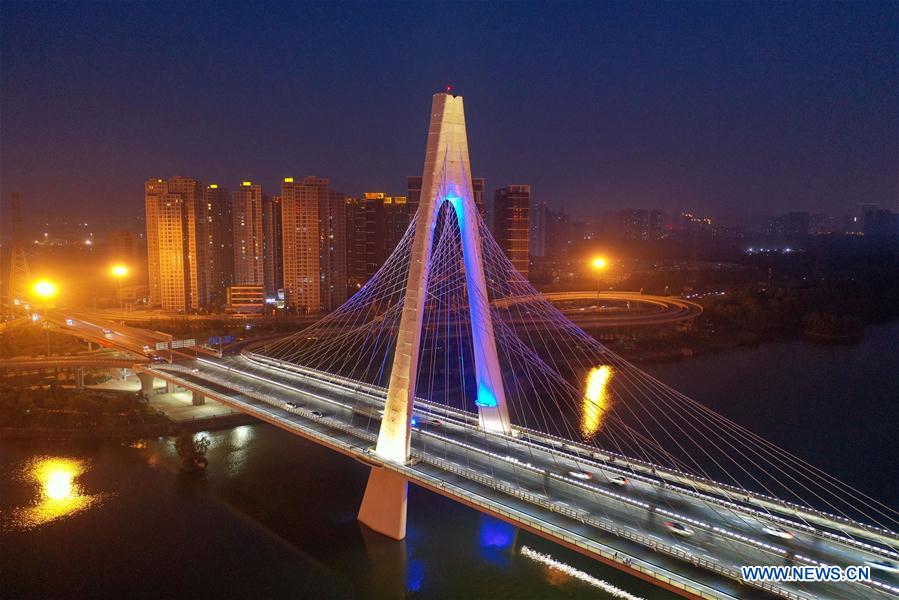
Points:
(79, 378)
(170, 387)
(146, 384)
(384, 504)
(197, 399)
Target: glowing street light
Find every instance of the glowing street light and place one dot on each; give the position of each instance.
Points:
(120, 272)
(45, 289)
(599, 265)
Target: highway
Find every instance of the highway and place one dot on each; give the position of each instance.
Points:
(527, 480)
(659, 310)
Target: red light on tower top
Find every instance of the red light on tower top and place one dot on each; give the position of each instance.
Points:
(449, 89)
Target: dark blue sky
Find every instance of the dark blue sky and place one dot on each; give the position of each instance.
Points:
(719, 107)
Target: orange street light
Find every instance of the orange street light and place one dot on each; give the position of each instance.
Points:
(45, 289)
(120, 272)
(599, 263)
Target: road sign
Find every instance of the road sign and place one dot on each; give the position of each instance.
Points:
(162, 345)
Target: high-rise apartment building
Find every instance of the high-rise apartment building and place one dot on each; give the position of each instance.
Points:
(313, 233)
(538, 216)
(355, 244)
(511, 227)
(174, 256)
(217, 235)
(641, 224)
(386, 220)
(272, 246)
(246, 218)
(300, 242)
(332, 249)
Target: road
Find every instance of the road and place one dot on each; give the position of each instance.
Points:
(659, 310)
(527, 480)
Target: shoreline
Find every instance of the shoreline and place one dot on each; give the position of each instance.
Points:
(167, 428)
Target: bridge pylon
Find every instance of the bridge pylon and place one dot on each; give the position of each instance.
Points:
(446, 178)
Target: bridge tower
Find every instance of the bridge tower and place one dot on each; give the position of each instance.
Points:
(17, 282)
(446, 178)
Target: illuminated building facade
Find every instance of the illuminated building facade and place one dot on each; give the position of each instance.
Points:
(386, 220)
(300, 240)
(174, 256)
(246, 219)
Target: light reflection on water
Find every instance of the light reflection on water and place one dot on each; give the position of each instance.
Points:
(597, 400)
(57, 491)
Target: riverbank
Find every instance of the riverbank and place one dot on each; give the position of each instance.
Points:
(165, 429)
(109, 410)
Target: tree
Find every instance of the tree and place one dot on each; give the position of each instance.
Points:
(191, 451)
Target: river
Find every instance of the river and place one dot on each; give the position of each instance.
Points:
(274, 517)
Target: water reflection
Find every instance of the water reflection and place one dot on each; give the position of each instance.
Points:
(597, 400)
(58, 492)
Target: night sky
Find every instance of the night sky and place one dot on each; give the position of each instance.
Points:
(719, 107)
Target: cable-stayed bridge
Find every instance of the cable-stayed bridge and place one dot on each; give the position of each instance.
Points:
(449, 370)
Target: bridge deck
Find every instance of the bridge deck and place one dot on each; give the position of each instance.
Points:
(530, 486)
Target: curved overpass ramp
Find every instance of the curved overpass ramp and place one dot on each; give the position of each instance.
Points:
(655, 310)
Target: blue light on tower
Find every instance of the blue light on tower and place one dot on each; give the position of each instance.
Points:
(485, 397)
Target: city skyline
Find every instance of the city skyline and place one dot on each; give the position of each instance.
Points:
(777, 139)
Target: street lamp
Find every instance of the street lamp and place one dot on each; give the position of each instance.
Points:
(120, 272)
(44, 291)
(599, 265)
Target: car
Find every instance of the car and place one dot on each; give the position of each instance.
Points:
(318, 413)
(107, 332)
(158, 359)
(775, 531)
(582, 475)
(146, 348)
(70, 322)
(293, 405)
(434, 422)
(679, 529)
(195, 370)
(620, 481)
(886, 566)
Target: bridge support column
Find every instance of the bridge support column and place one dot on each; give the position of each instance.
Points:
(79, 378)
(384, 504)
(170, 387)
(146, 384)
(198, 399)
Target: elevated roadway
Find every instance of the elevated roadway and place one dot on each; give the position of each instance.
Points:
(526, 479)
(655, 310)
